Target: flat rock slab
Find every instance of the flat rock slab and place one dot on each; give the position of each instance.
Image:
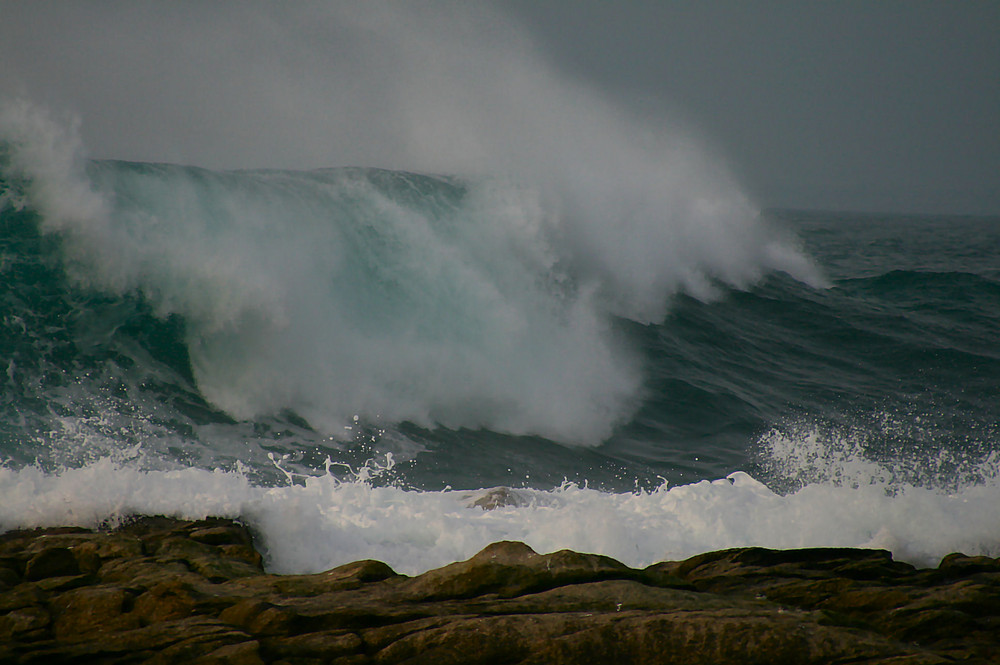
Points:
(160, 590)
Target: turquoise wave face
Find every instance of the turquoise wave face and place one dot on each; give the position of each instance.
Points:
(216, 319)
(83, 370)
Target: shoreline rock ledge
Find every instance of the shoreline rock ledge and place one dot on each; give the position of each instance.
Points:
(159, 590)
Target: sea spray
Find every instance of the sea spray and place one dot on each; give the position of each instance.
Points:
(397, 296)
(888, 450)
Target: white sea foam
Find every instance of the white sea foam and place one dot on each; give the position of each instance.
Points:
(326, 522)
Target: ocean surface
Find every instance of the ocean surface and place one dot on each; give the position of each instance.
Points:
(345, 358)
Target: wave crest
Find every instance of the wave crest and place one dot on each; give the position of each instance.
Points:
(469, 303)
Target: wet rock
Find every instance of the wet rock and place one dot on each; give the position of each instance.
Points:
(9, 578)
(89, 610)
(220, 569)
(323, 645)
(509, 569)
(244, 653)
(221, 535)
(65, 583)
(54, 562)
(159, 590)
(175, 598)
(496, 497)
(23, 623)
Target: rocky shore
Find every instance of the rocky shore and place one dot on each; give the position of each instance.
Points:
(159, 590)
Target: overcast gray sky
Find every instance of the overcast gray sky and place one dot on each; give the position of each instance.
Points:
(880, 105)
(865, 104)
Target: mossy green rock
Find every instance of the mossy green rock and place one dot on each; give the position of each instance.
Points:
(159, 590)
